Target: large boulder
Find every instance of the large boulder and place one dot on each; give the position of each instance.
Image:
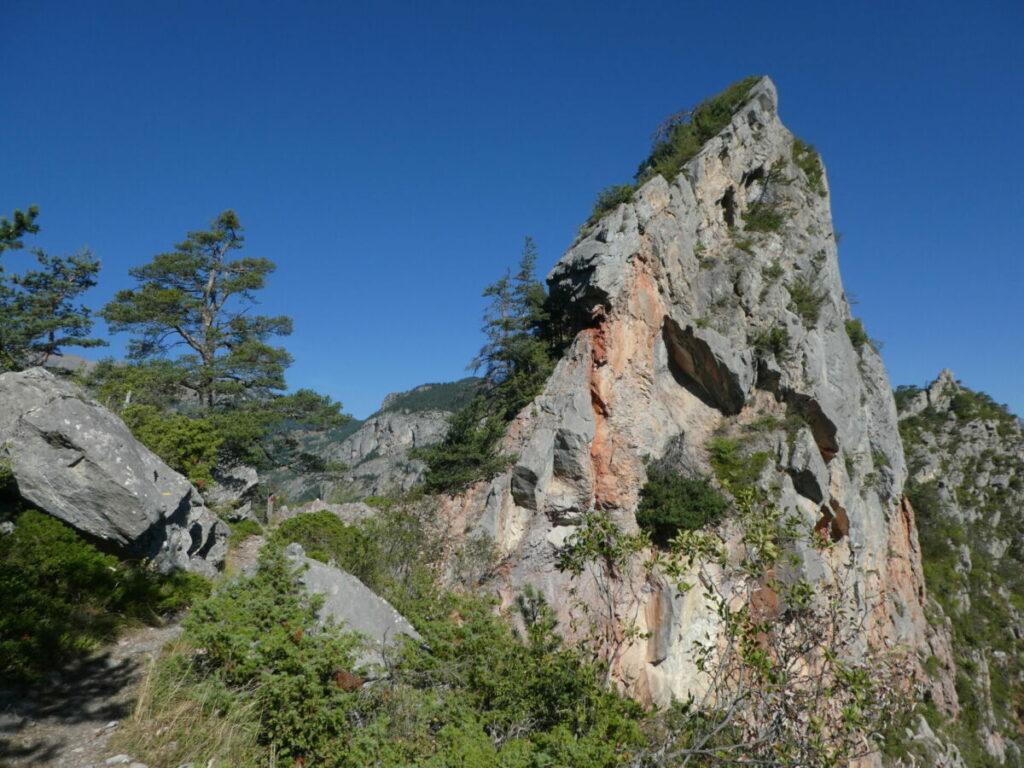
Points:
(77, 461)
(234, 492)
(353, 605)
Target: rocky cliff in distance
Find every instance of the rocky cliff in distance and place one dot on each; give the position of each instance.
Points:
(965, 456)
(711, 306)
(375, 451)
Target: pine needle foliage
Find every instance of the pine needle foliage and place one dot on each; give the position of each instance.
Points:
(197, 298)
(525, 333)
(38, 313)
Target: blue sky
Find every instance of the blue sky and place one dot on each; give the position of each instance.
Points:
(390, 157)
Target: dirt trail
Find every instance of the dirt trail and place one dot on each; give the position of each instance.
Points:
(66, 722)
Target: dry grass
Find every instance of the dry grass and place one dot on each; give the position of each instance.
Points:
(178, 721)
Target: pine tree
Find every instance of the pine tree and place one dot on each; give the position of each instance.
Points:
(196, 298)
(38, 315)
(11, 232)
(516, 361)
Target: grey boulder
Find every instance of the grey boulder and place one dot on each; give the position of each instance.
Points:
(78, 462)
(350, 603)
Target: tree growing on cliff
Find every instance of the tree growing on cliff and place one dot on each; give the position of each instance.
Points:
(520, 352)
(196, 298)
(38, 313)
(517, 358)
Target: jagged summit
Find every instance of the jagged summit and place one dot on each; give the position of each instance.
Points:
(709, 306)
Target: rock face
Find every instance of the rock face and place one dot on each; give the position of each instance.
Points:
(234, 489)
(349, 602)
(376, 453)
(75, 460)
(699, 320)
(965, 456)
(351, 513)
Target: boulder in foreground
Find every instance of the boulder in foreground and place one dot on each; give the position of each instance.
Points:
(77, 461)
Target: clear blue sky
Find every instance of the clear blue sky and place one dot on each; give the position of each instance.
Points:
(391, 156)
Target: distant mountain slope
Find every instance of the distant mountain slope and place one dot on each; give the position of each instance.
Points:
(375, 449)
(965, 459)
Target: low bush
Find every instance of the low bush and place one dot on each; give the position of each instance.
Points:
(855, 330)
(772, 341)
(242, 530)
(62, 596)
(808, 160)
(188, 445)
(326, 538)
(610, 198)
(763, 217)
(670, 503)
(805, 301)
(734, 469)
(481, 696)
(745, 244)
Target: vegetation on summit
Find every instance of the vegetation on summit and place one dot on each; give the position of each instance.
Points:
(678, 139)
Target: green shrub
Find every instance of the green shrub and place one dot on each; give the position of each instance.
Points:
(242, 530)
(670, 503)
(258, 641)
(733, 469)
(610, 198)
(481, 696)
(855, 330)
(325, 537)
(804, 301)
(773, 271)
(745, 244)
(467, 453)
(682, 135)
(763, 217)
(62, 596)
(772, 341)
(808, 160)
(188, 445)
